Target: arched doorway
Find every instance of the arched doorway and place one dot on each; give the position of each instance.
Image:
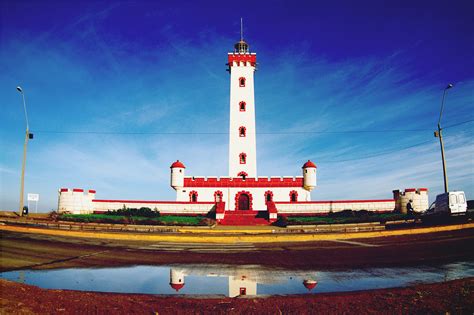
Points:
(244, 202)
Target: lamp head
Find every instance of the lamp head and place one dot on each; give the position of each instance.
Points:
(19, 89)
(449, 86)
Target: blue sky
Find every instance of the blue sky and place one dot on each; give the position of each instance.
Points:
(149, 67)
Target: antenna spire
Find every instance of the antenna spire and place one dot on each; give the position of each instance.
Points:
(241, 47)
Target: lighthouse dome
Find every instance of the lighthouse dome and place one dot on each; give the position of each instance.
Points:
(241, 47)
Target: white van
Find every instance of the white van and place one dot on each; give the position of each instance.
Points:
(453, 203)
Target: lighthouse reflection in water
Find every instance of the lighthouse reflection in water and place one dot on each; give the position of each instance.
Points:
(241, 281)
(234, 281)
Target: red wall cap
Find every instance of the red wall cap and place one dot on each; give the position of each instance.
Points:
(410, 190)
(64, 189)
(78, 190)
(92, 191)
(423, 189)
(177, 164)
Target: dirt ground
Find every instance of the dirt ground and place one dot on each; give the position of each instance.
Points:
(454, 297)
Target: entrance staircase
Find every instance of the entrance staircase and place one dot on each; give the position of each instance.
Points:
(245, 217)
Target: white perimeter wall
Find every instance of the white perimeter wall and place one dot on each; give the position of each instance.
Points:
(319, 207)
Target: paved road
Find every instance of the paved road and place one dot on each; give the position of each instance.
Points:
(44, 251)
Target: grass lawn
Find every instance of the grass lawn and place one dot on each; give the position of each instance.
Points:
(334, 219)
(120, 219)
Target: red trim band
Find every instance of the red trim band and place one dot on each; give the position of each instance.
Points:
(240, 182)
(153, 201)
(335, 201)
(320, 214)
(78, 190)
(242, 58)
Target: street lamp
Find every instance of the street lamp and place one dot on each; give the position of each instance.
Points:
(28, 136)
(439, 135)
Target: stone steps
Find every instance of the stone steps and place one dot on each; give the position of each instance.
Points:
(245, 217)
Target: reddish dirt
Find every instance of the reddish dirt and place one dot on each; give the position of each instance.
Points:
(454, 297)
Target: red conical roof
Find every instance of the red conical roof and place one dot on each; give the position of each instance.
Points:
(177, 164)
(309, 164)
(310, 284)
(177, 286)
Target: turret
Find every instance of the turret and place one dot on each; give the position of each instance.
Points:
(176, 279)
(177, 175)
(309, 175)
(76, 200)
(417, 197)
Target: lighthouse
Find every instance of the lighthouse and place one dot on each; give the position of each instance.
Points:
(242, 191)
(242, 137)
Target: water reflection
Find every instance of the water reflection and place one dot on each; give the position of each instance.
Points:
(235, 280)
(242, 280)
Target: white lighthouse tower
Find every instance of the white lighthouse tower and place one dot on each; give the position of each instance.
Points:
(242, 138)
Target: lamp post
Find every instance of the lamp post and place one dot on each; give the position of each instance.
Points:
(439, 135)
(28, 136)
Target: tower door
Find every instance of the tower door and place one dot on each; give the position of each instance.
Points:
(244, 202)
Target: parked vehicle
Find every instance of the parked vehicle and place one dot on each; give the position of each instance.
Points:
(452, 203)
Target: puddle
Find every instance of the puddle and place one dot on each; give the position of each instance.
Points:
(235, 280)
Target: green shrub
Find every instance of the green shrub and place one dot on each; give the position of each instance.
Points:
(132, 212)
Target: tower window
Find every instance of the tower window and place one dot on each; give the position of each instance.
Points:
(218, 196)
(268, 196)
(193, 196)
(242, 106)
(293, 196)
(242, 174)
(242, 131)
(242, 82)
(243, 158)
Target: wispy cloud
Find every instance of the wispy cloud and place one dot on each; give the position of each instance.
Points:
(180, 85)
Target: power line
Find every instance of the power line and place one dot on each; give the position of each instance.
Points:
(395, 150)
(295, 132)
(379, 153)
(225, 133)
(458, 124)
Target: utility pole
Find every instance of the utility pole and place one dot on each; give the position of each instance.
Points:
(439, 135)
(28, 136)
